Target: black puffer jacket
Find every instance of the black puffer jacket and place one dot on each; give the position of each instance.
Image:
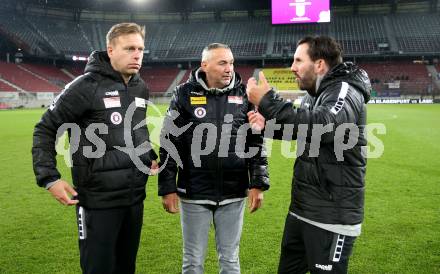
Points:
(99, 97)
(220, 174)
(327, 187)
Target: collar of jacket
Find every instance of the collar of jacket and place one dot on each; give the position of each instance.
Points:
(346, 72)
(200, 78)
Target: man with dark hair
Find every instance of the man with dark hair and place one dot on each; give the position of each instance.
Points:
(215, 176)
(327, 204)
(109, 188)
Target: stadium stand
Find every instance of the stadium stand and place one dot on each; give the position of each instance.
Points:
(245, 72)
(159, 79)
(6, 87)
(247, 38)
(419, 33)
(93, 34)
(64, 35)
(358, 34)
(21, 32)
(76, 70)
(163, 41)
(412, 78)
(190, 43)
(50, 73)
(185, 76)
(24, 79)
(172, 39)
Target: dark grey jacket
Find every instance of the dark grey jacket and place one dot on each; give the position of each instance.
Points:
(99, 96)
(327, 187)
(218, 177)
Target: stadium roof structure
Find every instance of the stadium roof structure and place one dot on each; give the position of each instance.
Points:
(180, 5)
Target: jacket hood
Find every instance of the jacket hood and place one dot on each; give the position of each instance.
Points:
(198, 77)
(350, 73)
(99, 62)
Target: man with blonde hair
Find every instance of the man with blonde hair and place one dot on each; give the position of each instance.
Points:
(109, 188)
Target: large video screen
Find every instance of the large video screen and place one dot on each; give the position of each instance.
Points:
(300, 11)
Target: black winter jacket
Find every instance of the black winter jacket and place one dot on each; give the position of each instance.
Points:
(327, 187)
(99, 96)
(221, 174)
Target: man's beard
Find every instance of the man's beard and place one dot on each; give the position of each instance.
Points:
(309, 85)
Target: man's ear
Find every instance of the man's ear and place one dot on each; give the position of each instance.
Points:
(203, 65)
(109, 50)
(321, 67)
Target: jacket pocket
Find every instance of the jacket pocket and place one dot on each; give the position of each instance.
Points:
(331, 177)
(306, 173)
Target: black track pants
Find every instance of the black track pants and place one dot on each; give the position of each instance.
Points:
(306, 247)
(109, 239)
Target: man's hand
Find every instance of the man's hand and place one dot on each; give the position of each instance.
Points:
(256, 120)
(61, 190)
(256, 91)
(154, 169)
(255, 199)
(170, 203)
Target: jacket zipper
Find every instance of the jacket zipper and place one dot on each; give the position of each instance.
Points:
(128, 102)
(219, 165)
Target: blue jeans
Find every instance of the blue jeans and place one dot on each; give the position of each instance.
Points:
(196, 220)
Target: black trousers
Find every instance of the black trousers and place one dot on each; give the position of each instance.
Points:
(306, 247)
(109, 239)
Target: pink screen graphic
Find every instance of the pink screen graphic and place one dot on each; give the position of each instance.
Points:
(300, 11)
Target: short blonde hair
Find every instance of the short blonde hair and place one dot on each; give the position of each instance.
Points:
(124, 29)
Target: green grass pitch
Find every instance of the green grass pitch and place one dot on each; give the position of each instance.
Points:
(401, 231)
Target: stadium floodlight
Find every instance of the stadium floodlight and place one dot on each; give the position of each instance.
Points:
(143, 3)
(80, 58)
(139, 1)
